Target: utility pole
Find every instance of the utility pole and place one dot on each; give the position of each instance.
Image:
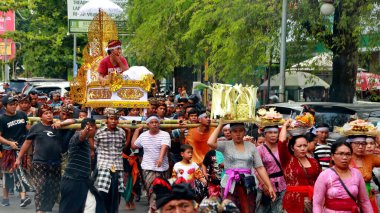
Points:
(283, 50)
(6, 66)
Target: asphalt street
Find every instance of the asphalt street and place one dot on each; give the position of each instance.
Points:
(14, 207)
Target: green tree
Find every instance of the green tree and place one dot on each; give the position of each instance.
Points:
(41, 28)
(341, 34)
(158, 27)
(234, 37)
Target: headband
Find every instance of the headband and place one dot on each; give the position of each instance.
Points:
(153, 117)
(356, 139)
(227, 126)
(369, 140)
(108, 112)
(322, 129)
(112, 48)
(271, 129)
(202, 115)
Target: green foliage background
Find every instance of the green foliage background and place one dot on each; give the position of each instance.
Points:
(41, 28)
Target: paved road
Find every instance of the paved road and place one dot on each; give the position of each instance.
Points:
(141, 206)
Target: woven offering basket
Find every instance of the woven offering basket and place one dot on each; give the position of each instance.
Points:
(265, 122)
(242, 111)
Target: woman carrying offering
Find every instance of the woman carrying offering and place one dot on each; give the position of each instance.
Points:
(364, 163)
(300, 172)
(340, 188)
(239, 157)
(358, 133)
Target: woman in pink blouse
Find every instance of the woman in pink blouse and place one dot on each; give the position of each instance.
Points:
(330, 195)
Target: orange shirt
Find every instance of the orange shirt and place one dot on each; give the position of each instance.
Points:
(198, 140)
(369, 162)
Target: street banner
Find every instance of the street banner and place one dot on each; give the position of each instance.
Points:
(7, 23)
(78, 23)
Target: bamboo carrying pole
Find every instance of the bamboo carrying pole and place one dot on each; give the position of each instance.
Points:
(165, 124)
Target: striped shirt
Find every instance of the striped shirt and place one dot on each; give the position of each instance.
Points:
(152, 145)
(78, 166)
(322, 154)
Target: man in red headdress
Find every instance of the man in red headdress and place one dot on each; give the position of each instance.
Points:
(114, 62)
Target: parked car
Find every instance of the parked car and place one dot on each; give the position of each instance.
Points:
(22, 84)
(48, 87)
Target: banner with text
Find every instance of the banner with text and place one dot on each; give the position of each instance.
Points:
(78, 23)
(7, 46)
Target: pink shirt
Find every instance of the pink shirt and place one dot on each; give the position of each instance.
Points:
(328, 185)
(270, 165)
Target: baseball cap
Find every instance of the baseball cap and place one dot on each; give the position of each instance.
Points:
(8, 99)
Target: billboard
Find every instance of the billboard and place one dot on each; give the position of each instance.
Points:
(78, 23)
(7, 23)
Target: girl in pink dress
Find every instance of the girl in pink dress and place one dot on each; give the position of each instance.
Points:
(331, 195)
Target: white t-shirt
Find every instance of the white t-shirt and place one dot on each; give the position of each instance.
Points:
(186, 171)
(152, 147)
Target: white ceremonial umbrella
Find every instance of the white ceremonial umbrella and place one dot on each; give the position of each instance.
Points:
(101, 7)
(296, 80)
(95, 6)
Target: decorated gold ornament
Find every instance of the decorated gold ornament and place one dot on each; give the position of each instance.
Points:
(130, 93)
(233, 102)
(103, 93)
(116, 82)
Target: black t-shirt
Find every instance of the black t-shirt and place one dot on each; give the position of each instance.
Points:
(79, 164)
(47, 144)
(13, 128)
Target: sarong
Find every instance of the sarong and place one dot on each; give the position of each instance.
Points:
(149, 177)
(22, 178)
(246, 202)
(47, 180)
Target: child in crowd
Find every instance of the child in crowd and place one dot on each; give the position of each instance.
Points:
(189, 172)
(185, 170)
(213, 168)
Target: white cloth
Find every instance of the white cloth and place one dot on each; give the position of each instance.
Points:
(136, 73)
(90, 206)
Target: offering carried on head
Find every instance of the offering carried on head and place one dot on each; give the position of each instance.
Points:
(233, 102)
(359, 127)
(268, 118)
(301, 124)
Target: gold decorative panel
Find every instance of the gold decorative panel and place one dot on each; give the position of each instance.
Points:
(130, 94)
(104, 93)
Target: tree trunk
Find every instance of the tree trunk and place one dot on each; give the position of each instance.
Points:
(345, 55)
(342, 88)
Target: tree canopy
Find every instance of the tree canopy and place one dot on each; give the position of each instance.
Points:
(41, 28)
(342, 34)
(234, 37)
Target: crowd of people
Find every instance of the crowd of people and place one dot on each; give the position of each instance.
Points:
(206, 168)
